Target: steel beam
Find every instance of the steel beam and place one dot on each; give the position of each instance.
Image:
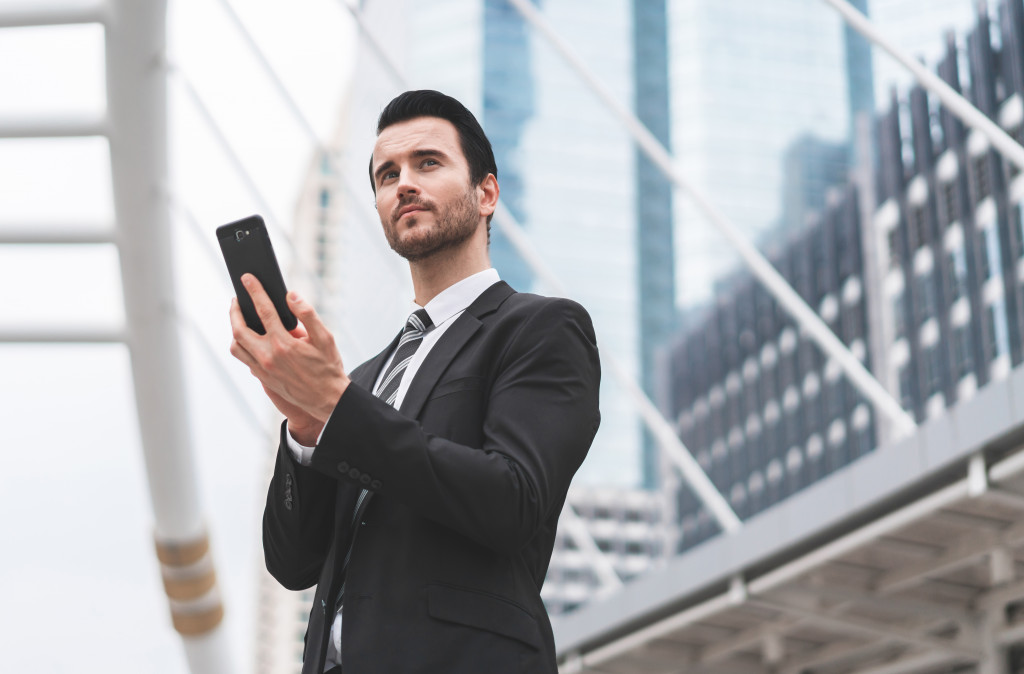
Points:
(62, 335)
(848, 624)
(56, 234)
(65, 126)
(35, 13)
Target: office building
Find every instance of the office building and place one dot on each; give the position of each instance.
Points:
(925, 287)
(748, 79)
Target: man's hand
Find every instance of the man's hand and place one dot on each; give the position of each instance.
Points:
(301, 371)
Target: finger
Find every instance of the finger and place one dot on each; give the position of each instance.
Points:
(240, 330)
(242, 334)
(315, 328)
(239, 352)
(264, 307)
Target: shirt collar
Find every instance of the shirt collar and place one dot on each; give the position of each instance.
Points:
(458, 296)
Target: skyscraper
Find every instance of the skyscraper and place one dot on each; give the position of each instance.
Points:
(748, 80)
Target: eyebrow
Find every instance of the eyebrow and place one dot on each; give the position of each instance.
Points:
(425, 152)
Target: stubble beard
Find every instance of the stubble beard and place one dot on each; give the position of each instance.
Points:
(454, 224)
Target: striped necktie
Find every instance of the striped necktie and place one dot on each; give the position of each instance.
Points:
(416, 326)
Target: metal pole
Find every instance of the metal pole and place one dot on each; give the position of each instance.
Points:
(805, 317)
(137, 105)
(577, 530)
(954, 102)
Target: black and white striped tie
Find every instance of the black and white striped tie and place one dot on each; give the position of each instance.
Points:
(416, 326)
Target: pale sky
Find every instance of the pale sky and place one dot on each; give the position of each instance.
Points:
(79, 580)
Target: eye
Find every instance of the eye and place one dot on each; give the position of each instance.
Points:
(431, 162)
(388, 175)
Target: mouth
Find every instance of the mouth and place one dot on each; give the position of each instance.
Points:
(411, 209)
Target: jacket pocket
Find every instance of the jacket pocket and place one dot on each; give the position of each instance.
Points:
(456, 385)
(483, 611)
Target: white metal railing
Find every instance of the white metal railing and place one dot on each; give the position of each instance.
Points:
(954, 102)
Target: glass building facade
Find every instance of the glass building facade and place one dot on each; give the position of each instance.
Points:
(925, 287)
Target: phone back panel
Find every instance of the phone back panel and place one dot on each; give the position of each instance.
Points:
(246, 247)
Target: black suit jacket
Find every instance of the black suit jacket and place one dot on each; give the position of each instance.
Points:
(467, 479)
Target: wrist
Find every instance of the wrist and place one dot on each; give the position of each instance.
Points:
(331, 399)
(305, 434)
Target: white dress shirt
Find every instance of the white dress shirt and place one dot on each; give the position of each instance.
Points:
(447, 306)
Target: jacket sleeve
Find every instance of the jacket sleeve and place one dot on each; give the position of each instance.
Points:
(541, 417)
(298, 520)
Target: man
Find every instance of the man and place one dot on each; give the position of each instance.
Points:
(421, 492)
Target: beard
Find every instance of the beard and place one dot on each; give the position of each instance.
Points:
(455, 222)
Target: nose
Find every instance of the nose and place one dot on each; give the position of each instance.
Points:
(407, 184)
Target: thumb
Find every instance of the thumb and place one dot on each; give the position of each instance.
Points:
(304, 311)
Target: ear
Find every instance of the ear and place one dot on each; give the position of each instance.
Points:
(488, 191)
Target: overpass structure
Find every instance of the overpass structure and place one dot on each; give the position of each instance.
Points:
(910, 559)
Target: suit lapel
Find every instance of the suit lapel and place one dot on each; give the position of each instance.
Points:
(366, 374)
(450, 345)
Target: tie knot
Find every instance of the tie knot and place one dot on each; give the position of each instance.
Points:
(418, 321)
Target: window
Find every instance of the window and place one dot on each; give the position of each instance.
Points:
(894, 247)
(1017, 133)
(835, 399)
(991, 263)
(981, 181)
(899, 316)
(918, 226)
(958, 270)
(997, 340)
(925, 298)
(933, 370)
(983, 264)
(962, 352)
(1018, 213)
(947, 201)
(906, 388)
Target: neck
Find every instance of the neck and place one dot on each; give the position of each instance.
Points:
(432, 275)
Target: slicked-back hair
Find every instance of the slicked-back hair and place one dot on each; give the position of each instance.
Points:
(430, 103)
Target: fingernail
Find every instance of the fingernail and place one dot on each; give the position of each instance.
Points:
(294, 296)
(246, 279)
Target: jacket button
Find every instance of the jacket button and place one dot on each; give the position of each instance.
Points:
(365, 479)
(354, 473)
(375, 484)
(343, 467)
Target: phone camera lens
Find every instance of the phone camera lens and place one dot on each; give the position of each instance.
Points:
(239, 235)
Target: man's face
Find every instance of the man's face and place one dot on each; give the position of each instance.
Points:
(424, 198)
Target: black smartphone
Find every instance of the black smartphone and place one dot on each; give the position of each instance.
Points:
(246, 247)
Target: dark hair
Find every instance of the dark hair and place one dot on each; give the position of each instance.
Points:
(429, 103)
